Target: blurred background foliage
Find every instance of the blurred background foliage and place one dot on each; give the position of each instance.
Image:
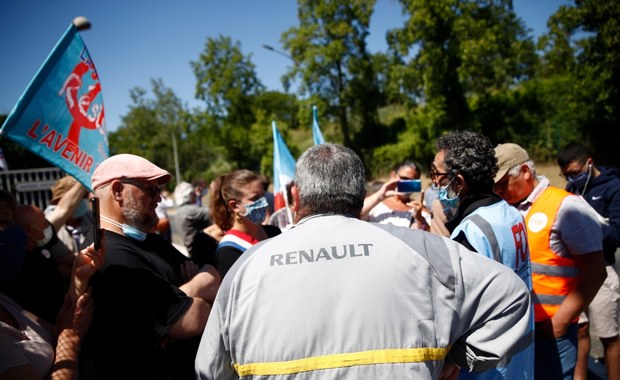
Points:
(454, 65)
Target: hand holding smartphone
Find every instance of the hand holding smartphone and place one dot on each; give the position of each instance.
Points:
(94, 201)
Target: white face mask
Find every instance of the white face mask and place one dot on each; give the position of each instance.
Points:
(47, 236)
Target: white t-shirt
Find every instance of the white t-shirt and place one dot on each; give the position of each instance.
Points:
(382, 214)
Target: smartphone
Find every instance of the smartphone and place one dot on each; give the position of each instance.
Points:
(94, 201)
(408, 186)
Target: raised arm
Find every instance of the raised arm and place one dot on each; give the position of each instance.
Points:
(386, 190)
(67, 205)
(85, 264)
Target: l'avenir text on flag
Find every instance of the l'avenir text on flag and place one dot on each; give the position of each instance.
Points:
(60, 115)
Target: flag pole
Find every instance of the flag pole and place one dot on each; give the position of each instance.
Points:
(289, 214)
(81, 23)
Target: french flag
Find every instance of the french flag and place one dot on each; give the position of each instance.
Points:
(283, 168)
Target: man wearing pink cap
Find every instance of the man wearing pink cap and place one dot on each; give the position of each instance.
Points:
(152, 301)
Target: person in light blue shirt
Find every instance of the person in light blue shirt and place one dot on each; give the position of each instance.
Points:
(462, 175)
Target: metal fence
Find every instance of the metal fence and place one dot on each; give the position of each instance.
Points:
(31, 186)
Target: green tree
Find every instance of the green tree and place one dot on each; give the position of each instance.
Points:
(453, 53)
(557, 45)
(150, 125)
(228, 84)
(282, 108)
(333, 65)
(598, 76)
(582, 51)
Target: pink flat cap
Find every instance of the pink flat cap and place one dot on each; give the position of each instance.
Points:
(127, 166)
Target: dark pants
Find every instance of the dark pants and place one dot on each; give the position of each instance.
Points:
(556, 358)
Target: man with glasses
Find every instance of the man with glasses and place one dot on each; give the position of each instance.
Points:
(565, 241)
(600, 187)
(152, 301)
(462, 175)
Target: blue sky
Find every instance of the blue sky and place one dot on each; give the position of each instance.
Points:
(132, 42)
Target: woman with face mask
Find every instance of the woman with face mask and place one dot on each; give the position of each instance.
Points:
(239, 207)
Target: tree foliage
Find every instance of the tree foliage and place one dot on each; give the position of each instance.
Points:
(333, 64)
(453, 64)
(582, 50)
(151, 125)
(452, 53)
(228, 84)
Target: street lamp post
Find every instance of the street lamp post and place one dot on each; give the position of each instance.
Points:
(269, 47)
(176, 158)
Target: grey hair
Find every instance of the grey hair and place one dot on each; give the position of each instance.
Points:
(331, 179)
(516, 170)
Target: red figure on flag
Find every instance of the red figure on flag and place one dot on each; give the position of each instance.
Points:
(79, 107)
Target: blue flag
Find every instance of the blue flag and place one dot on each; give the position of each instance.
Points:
(283, 168)
(60, 115)
(316, 131)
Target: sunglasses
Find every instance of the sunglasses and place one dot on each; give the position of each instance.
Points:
(151, 190)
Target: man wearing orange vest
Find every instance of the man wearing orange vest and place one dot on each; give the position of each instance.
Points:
(565, 240)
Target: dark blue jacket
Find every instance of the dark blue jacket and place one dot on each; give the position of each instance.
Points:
(603, 194)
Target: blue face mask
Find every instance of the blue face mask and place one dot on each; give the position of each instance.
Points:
(450, 204)
(81, 210)
(580, 181)
(133, 232)
(256, 211)
(129, 231)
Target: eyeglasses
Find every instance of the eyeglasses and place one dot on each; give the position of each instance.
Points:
(434, 174)
(151, 190)
(573, 173)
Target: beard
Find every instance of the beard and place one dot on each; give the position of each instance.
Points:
(135, 217)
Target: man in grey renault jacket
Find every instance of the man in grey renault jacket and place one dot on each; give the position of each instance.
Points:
(337, 297)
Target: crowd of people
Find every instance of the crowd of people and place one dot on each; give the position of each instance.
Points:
(489, 273)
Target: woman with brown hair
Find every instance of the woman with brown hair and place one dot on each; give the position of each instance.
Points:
(238, 207)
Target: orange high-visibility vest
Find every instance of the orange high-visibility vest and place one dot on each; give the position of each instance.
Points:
(553, 276)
